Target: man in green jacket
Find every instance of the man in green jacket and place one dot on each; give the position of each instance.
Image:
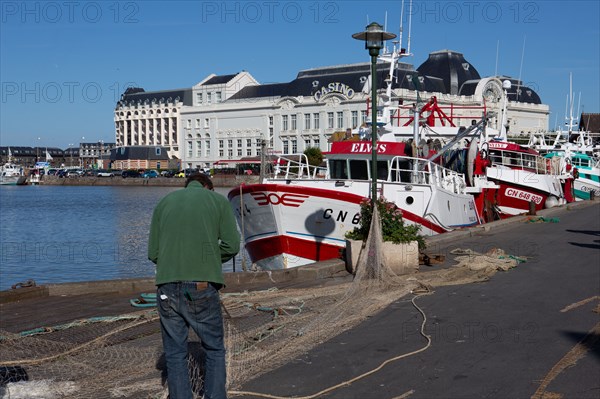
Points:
(193, 231)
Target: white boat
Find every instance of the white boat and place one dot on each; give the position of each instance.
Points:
(11, 174)
(301, 213)
(585, 169)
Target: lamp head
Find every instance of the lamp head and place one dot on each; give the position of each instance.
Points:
(373, 36)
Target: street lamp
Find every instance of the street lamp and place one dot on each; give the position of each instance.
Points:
(81, 162)
(373, 38)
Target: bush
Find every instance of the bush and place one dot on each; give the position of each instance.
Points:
(393, 227)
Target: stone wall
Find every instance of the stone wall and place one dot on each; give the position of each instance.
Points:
(218, 181)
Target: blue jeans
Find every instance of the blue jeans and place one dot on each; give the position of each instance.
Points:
(181, 305)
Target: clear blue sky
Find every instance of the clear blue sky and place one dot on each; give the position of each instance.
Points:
(63, 65)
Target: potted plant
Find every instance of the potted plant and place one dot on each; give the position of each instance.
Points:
(401, 241)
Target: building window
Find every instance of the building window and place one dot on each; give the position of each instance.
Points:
(259, 142)
(286, 146)
(354, 119)
(294, 125)
(221, 143)
(248, 143)
(208, 98)
(317, 143)
(221, 153)
(316, 120)
(306, 143)
(249, 151)
(271, 139)
(199, 98)
(230, 152)
(239, 151)
(294, 146)
(188, 123)
(229, 143)
(218, 97)
(307, 121)
(270, 121)
(330, 120)
(239, 143)
(207, 145)
(157, 150)
(189, 149)
(363, 117)
(197, 123)
(284, 122)
(206, 123)
(340, 120)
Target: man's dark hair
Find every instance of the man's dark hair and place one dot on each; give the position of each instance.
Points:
(201, 178)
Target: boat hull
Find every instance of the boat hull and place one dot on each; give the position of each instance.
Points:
(519, 189)
(584, 187)
(289, 224)
(13, 180)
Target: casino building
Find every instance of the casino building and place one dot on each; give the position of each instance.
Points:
(230, 117)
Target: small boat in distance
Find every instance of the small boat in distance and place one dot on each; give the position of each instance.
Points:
(11, 173)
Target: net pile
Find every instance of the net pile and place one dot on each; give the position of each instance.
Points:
(122, 357)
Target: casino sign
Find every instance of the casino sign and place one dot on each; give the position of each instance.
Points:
(334, 88)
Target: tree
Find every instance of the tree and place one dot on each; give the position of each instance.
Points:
(314, 155)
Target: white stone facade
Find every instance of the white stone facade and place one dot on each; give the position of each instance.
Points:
(206, 125)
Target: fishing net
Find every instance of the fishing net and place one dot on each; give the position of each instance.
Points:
(122, 357)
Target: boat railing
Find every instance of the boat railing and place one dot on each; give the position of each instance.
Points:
(527, 162)
(297, 167)
(411, 170)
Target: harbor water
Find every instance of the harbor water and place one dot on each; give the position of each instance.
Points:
(57, 234)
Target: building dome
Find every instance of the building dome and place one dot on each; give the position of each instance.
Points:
(451, 67)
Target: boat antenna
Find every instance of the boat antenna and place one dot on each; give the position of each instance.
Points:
(497, 50)
(579, 107)
(401, 24)
(385, 48)
(521, 69)
(409, 26)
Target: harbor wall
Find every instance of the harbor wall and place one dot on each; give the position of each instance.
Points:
(218, 181)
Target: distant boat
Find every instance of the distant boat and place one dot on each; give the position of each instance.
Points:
(586, 170)
(12, 174)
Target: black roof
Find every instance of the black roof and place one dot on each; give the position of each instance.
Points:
(310, 81)
(139, 95)
(451, 67)
(219, 79)
(139, 152)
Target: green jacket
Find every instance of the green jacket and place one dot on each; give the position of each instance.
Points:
(193, 231)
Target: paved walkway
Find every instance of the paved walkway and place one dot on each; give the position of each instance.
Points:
(512, 337)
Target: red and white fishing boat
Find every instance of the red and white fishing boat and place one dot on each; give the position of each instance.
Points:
(301, 213)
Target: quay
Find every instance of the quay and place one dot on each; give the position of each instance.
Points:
(219, 180)
(530, 332)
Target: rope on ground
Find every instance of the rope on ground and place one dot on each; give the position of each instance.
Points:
(151, 316)
(419, 294)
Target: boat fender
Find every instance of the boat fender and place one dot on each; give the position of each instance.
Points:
(575, 173)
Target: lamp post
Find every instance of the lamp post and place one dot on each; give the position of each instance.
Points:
(81, 162)
(373, 38)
